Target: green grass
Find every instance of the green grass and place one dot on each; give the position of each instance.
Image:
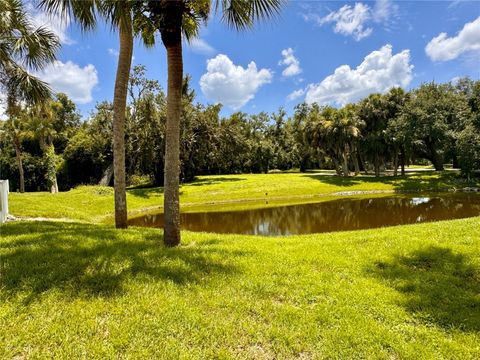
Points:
(95, 204)
(79, 289)
(76, 290)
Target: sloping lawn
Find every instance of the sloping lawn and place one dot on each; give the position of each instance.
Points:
(95, 203)
(70, 290)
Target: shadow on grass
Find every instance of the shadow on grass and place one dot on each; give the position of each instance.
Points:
(438, 286)
(146, 192)
(421, 181)
(81, 260)
(212, 180)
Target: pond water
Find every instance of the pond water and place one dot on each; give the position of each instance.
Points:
(335, 215)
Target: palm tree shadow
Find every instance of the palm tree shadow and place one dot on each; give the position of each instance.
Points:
(438, 286)
(213, 180)
(146, 192)
(81, 260)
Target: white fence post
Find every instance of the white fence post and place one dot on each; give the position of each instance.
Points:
(3, 200)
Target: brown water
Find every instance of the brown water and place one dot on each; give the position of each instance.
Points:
(336, 215)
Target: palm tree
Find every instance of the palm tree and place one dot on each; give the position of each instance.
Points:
(373, 111)
(119, 15)
(172, 18)
(397, 132)
(40, 126)
(349, 130)
(330, 135)
(23, 47)
(14, 131)
(336, 132)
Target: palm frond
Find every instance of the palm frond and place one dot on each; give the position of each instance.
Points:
(83, 11)
(28, 87)
(23, 46)
(243, 14)
(143, 27)
(236, 14)
(37, 48)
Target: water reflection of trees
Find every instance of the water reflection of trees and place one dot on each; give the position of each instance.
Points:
(344, 214)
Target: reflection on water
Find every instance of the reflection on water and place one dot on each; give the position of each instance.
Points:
(336, 215)
(420, 200)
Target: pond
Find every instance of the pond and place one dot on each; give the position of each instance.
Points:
(335, 215)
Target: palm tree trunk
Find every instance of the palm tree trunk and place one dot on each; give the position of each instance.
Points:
(18, 155)
(345, 170)
(337, 166)
(172, 145)
(172, 39)
(362, 162)
(395, 163)
(54, 185)
(11, 112)
(355, 162)
(119, 105)
(377, 165)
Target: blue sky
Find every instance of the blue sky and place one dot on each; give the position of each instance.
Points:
(326, 52)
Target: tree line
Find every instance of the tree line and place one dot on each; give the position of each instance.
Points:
(49, 147)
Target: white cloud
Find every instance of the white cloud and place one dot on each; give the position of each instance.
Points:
(75, 81)
(231, 84)
(295, 94)
(291, 62)
(53, 22)
(455, 3)
(355, 20)
(200, 46)
(298, 80)
(444, 48)
(384, 11)
(350, 21)
(379, 71)
(113, 52)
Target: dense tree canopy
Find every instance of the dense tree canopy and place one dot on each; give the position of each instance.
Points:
(436, 123)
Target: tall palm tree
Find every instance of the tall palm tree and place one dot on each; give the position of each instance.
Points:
(172, 18)
(119, 15)
(23, 47)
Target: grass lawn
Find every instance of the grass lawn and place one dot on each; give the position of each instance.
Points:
(70, 290)
(95, 204)
(84, 289)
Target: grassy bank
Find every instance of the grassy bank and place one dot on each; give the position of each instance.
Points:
(71, 290)
(95, 204)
